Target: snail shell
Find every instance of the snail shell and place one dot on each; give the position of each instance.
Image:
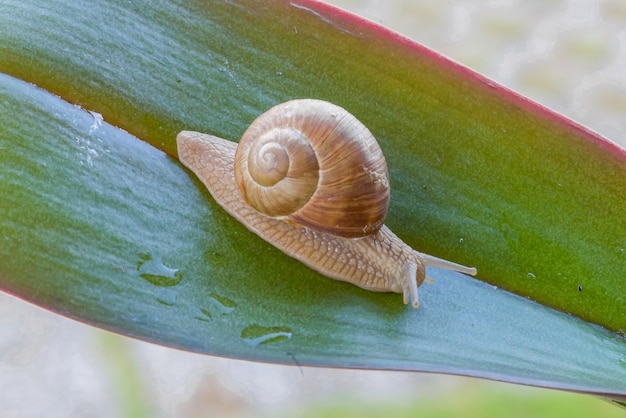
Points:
(314, 164)
(334, 221)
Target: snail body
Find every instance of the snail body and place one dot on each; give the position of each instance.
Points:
(334, 220)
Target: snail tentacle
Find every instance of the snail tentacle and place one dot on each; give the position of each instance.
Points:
(432, 261)
(410, 286)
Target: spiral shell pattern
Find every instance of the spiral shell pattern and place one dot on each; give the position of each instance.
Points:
(314, 164)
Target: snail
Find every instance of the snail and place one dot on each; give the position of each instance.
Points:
(310, 179)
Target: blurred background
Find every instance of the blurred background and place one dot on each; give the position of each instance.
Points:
(569, 55)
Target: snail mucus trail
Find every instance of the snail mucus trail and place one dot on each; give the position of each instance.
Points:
(310, 179)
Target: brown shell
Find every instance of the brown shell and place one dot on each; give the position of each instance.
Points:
(314, 164)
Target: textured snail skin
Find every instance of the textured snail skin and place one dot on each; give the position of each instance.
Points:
(379, 262)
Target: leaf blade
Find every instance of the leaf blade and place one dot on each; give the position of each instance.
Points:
(269, 307)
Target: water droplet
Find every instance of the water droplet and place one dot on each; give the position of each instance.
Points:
(200, 314)
(531, 276)
(216, 306)
(256, 334)
(154, 271)
(97, 121)
(225, 305)
(88, 150)
(166, 296)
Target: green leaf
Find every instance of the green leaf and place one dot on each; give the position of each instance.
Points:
(104, 228)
